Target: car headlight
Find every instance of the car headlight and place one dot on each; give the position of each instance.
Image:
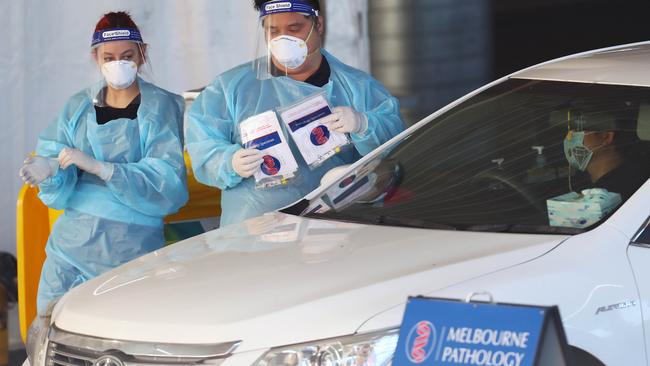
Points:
(370, 349)
(37, 337)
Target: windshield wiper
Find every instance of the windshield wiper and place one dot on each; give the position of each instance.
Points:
(384, 220)
(524, 229)
(388, 220)
(407, 222)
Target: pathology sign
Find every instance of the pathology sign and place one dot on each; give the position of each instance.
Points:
(445, 332)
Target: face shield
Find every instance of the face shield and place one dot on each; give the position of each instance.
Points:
(286, 30)
(120, 55)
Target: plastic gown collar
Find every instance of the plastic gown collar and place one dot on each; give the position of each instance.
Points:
(97, 92)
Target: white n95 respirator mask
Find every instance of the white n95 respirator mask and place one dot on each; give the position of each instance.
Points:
(290, 51)
(120, 74)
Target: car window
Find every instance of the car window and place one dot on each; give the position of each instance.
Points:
(497, 162)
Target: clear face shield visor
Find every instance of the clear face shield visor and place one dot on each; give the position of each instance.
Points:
(283, 38)
(121, 58)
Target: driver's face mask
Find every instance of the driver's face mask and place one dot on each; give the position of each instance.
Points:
(577, 154)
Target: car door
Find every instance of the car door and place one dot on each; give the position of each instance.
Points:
(639, 255)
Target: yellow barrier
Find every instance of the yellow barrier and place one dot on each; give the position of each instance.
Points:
(34, 222)
(32, 231)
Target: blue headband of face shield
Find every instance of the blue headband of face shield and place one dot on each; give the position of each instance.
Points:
(118, 34)
(287, 6)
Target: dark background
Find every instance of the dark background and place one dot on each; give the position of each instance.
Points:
(431, 52)
(531, 31)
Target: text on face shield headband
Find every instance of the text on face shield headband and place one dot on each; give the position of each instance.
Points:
(121, 34)
(274, 7)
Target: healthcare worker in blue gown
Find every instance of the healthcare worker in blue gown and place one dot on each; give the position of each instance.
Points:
(113, 161)
(291, 67)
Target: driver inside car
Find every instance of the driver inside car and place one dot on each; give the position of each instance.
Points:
(604, 144)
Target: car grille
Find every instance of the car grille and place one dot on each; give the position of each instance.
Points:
(61, 355)
(67, 349)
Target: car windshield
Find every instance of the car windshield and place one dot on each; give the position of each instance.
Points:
(498, 162)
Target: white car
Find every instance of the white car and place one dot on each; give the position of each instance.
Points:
(469, 199)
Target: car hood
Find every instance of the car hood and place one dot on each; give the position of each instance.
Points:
(281, 279)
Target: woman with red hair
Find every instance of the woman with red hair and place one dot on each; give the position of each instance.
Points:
(113, 160)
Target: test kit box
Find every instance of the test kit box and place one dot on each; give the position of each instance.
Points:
(314, 140)
(263, 132)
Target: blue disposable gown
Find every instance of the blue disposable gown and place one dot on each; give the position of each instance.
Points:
(109, 223)
(213, 135)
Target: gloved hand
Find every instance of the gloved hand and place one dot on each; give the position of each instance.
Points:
(36, 169)
(246, 162)
(346, 120)
(69, 156)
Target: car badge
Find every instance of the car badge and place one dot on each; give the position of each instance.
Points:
(108, 360)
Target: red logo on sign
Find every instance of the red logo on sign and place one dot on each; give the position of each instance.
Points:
(420, 342)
